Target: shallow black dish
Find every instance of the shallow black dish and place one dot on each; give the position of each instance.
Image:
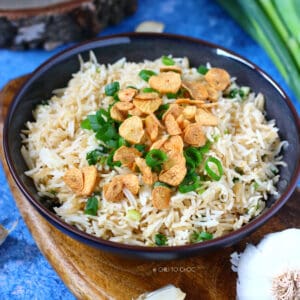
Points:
(56, 72)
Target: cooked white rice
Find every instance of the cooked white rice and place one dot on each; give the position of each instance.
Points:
(243, 140)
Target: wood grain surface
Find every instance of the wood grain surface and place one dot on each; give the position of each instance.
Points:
(92, 274)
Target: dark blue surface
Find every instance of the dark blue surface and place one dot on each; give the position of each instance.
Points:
(24, 272)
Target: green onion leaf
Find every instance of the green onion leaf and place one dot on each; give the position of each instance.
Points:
(171, 96)
(205, 148)
(141, 148)
(201, 236)
(112, 163)
(93, 157)
(210, 172)
(158, 183)
(202, 70)
(193, 154)
(161, 110)
(112, 88)
(133, 215)
(85, 124)
(190, 183)
(146, 74)
(149, 90)
(91, 206)
(155, 158)
(168, 61)
(160, 239)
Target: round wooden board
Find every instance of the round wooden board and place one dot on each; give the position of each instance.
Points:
(93, 274)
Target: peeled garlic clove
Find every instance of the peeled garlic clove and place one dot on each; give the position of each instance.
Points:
(168, 292)
(150, 26)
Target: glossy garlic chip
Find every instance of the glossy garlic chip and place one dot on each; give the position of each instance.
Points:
(126, 156)
(218, 78)
(116, 114)
(145, 170)
(151, 127)
(171, 69)
(73, 178)
(189, 101)
(161, 197)
(146, 96)
(113, 191)
(196, 89)
(124, 106)
(206, 118)
(189, 112)
(147, 106)
(174, 175)
(89, 180)
(166, 82)
(126, 95)
(131, 182)
(171, 125)
(159, 143)
(193, 135)
(132, 129)
(173, 109)
(173, 145)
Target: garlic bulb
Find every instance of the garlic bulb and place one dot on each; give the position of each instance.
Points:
(168, 292)
(270, 270)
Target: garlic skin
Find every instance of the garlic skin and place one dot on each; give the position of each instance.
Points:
(270, 270)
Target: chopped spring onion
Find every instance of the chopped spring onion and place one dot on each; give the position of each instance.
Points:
(171, 96)
(155, 158)
(141, 148)
(168, 61)
(193, 154)
(94, 156)
(275, 25)
(110, 161)
(146, 74)
(161, 110)
(112, 88)
(91, 206)
(133, 215)
(202, 70)
(210, 172)
(201, 236)
(160, 239)
(190, 183)
(149, 90)
(158, 183)
(206, 147)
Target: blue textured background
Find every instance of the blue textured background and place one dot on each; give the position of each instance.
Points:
(24, 272)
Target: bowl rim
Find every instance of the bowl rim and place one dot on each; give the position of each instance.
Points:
(229, 238)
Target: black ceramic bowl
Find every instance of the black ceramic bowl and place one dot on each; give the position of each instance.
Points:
(56, 72)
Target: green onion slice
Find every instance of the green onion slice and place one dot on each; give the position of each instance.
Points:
(160, 239)
(146, 74)
(91, 206)
(149, 90)
(155, 158)
(158, 183)
(112, 88)
(190, 183)
(133, 215)
(168, 61)
(193, 154)
(201, 236)
(202, 70)
(210, 172)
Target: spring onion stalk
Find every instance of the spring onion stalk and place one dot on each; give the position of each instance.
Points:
(275, 25)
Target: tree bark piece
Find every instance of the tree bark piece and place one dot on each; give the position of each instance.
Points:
(50, 23)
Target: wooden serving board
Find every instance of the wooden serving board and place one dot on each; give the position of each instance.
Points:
(93, 274)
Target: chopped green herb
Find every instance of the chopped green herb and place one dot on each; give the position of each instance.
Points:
(94, 156)
(201, 236)
(91, 206)
(131, 87)
(112, 88)
(190, 183)
(146, 74)
(168, 61)
(211, 173)
(158, 183)
(160, 239)
(202, 70)
(85, 124)
(149, 90)
(112, 163)
(155, 158)
(255, 185)
(206, 147)
(200, 190)
(133, 214)
(171, 96)
(161, 110)
(141, 148)
(226, 131)
(193, 156)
